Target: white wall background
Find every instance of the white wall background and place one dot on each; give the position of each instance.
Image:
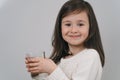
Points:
(27, 26)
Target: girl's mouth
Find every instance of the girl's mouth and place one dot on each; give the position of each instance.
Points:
(74, 36)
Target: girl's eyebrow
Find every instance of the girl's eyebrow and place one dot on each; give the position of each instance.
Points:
(81, 21)
(71, 21)
(66, 21)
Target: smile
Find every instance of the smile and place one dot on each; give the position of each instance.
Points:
(74, 36)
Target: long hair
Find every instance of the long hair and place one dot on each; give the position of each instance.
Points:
(60, 47)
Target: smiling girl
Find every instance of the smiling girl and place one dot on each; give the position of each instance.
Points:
(77, 49)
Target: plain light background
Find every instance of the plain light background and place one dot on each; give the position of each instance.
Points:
(26, 26)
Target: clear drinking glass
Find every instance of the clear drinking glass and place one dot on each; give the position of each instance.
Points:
(31, 55)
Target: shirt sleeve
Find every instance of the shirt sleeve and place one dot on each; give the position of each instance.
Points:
(57, 74)
(41, 76)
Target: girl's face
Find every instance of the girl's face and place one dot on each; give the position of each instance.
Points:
(75, 29)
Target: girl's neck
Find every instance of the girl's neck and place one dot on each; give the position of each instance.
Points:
(75, 49)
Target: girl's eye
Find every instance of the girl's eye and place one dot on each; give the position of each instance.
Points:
(68, 24)
(80, 24)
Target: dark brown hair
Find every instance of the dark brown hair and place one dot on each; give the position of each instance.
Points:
(60, 47)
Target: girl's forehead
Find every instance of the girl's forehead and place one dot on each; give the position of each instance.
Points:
(76, 16)
(75, 12)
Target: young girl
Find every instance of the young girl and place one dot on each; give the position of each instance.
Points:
(77, 49)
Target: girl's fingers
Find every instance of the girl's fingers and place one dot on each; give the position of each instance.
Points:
(30, 65)
(33, 70)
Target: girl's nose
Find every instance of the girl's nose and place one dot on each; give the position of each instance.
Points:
(74, 29)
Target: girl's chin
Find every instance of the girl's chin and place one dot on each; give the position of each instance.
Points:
(75, 44)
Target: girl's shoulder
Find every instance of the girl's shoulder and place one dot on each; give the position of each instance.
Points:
(85, 54)
(91, 52)
(91, 55)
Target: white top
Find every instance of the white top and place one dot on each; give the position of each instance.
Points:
(85, 65)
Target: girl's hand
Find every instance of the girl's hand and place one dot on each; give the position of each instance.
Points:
(36, 65)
